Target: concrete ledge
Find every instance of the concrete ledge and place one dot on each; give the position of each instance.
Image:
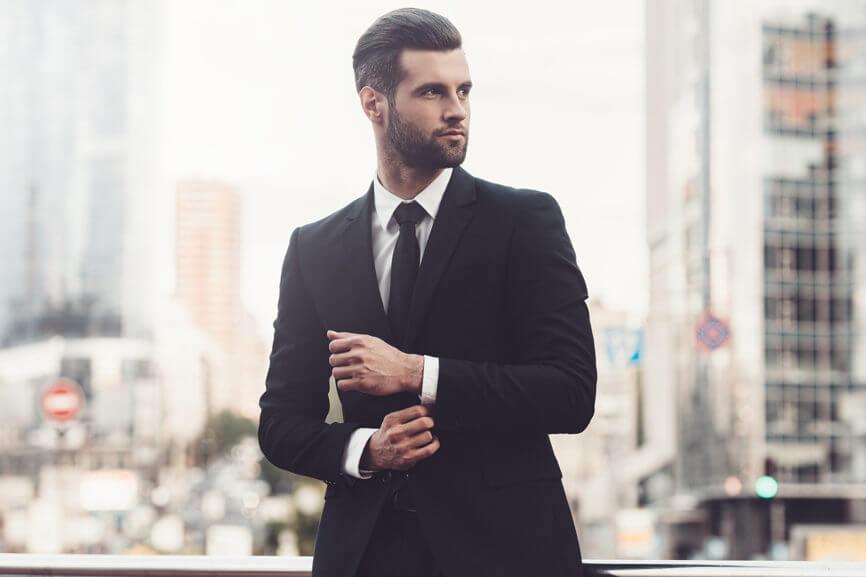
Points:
(14, 564)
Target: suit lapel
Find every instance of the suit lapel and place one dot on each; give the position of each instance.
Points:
(455, 212)
(360, 271)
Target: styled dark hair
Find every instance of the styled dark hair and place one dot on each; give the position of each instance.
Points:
(376, 59)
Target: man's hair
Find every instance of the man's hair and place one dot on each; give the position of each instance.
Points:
(376, 59)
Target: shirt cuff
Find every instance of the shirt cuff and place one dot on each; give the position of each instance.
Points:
(354, 451)
(430, 380)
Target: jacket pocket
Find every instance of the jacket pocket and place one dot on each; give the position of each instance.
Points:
(508, 460)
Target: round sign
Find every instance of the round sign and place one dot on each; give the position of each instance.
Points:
(62, 401)
(712, 332)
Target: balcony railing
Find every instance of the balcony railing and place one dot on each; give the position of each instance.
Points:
(14, 564)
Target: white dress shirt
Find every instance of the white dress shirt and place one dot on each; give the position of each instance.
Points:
(385, 232)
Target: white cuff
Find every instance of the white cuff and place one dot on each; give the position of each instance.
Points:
(430, 380)
(354, 451)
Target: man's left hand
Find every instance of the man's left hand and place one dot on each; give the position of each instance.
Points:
(370, 365)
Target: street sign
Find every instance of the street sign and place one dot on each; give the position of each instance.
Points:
(62, 401)
(623, 346)
(712, 332)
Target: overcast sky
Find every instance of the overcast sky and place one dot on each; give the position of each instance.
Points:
(260, 93)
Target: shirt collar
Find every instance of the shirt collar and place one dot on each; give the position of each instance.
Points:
(386, 201)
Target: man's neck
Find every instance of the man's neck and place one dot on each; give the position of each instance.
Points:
(405, 182)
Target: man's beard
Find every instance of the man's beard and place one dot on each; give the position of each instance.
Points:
(418, 151)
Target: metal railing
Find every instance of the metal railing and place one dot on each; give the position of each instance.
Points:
(14, 564)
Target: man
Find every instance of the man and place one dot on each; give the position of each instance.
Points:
(450, 312)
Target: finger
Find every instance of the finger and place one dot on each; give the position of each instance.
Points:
(362, 386)
(349, 384)
(415, 426)
(410, 413)
(419, 440)
(346, 372)
(346, 344)
(342, 359)
(425, 451)
(340, 334)
(340, 345)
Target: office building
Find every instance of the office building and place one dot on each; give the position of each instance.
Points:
(77, 168)
(755, 215)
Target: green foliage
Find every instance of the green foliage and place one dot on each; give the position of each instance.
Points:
(279, 480)
(222, 432)
(306, 527)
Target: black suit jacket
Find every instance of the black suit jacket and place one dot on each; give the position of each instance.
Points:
(500, 300)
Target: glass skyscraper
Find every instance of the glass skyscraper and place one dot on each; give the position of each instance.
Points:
(756, 209)
(77, 167)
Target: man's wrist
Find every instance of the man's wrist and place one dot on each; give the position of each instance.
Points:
(352, 453)
(415, 375)
(366, 461)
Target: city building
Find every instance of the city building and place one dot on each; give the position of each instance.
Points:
(208, 257)
(208, 284)
(121, 399)
(97, 457)
(77, 168)
(755, 220)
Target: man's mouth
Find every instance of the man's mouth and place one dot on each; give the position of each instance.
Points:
(454, 134)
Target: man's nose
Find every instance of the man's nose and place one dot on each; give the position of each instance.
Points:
(455, 109)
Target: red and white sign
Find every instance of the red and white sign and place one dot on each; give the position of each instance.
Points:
(712, 332)
(62, 401)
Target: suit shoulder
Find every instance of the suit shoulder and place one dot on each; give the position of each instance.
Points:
(325, 228)
(512, 198)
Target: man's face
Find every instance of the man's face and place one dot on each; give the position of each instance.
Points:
(428, 123)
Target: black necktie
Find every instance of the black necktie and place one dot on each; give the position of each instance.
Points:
(404, 267)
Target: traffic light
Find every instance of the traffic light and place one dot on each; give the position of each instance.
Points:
(766, 487)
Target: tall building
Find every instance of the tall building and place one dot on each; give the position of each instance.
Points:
(756, 219)
(208, 285)
(208, 256)
(77, 167)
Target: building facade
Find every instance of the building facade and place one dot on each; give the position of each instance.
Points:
(77, 167)
(208, 285)
(755, 212)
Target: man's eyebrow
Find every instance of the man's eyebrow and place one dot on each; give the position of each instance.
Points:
(428, 85)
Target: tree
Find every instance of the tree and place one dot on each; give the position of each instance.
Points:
(222, 432)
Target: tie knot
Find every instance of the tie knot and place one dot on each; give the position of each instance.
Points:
(409, 212)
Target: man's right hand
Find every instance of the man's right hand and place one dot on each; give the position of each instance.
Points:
(403, 439)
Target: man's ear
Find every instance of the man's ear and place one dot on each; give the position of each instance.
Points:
(373, 104)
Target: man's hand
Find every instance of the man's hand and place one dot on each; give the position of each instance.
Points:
(403, 439)
(370, 365)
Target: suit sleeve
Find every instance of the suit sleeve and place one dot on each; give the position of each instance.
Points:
(550, 385)
(293, 434)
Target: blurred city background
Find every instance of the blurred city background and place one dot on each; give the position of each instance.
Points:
(710, 160)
